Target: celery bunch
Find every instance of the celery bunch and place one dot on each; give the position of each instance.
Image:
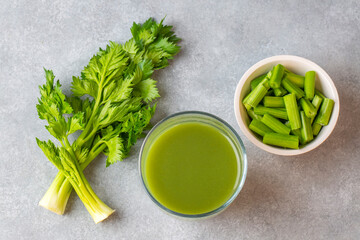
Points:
(115, 107)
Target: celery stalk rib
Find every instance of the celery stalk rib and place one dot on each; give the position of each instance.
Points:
(292, 111)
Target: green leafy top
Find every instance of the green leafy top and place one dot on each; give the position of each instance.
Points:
(112, 98)
(53, 107)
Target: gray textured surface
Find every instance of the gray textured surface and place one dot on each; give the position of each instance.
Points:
(313, 196)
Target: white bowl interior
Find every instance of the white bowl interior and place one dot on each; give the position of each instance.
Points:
(299, 66)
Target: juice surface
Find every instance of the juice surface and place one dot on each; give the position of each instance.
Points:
(191, 168)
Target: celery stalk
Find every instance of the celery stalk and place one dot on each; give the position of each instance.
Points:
(306, 130)
(309, 85)
(317, 100)
(292, 88)
(292, 111)
(256, 81)
(57, 195)
(271, 101)
(316, 128)
(308, 108)
(275, 124)
(259, 127)
(281, 140)
(276, 76)
(325, 111)
(276, 112)
(97, 208)
(256, 96)
(295, 79)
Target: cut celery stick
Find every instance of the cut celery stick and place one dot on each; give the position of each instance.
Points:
(253, 115)
(292, 111)
(316, 128)
(325, 111)
(306, 130)
(281, 140)
(295, 79)
(316, 102)
(244, 101)
(256, 81)
(276, 112)
(257, 95)
(260, 128)
(275, 124)
(277, 102)
(279, 92)
(308, 108)
(292, 88)
(309, 85)
(276, 76)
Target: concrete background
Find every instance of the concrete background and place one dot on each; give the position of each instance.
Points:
(313, 196)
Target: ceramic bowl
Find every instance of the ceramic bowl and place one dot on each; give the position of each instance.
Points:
(299, 66)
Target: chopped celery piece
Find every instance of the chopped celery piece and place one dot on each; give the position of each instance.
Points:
(295, 79)
(257, 95)
(316, 128)
(276, 112)
(281, 140)
(292, 88)
(292, 111)
(260, 128)
(305, 130)
(316, 102)
(325, 111)
(276, 76)
(308, 108)
(270, 101)
(309, 85)
(256, 81)
(275, 124)
(244, 101)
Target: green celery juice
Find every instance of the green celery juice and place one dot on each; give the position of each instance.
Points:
(192, 168)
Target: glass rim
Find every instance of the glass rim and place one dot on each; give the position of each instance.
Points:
(243, 161)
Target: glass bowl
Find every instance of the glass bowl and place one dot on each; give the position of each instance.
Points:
(195, 117)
